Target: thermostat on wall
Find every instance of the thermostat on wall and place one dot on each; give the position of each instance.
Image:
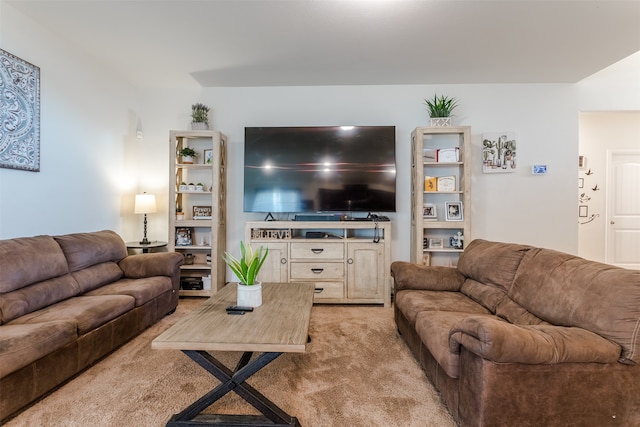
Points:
(539, 169)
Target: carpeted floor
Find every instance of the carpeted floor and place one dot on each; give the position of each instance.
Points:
(357, 371)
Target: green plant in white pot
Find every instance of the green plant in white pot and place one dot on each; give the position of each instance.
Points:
(199, 116)
(440, 108)
(188, 154)
(246, 269)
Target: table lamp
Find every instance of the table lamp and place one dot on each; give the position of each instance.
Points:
(145, 203)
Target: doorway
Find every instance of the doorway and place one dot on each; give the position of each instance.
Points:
(601, 134)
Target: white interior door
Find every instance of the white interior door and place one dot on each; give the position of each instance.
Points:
(623, 209)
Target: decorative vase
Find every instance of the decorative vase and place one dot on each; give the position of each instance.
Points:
(199, 126)
(440, 121)
(250, 295)
(179, 216)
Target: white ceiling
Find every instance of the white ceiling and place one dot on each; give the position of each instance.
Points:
(175, 43)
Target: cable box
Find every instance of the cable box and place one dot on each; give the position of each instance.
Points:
(191, 284)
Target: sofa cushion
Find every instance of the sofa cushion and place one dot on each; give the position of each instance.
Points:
(434, 328)
(567, 290)
(97, 275)
(28, 260)
(88, 312)
(21, 345)
(487, 295)
(412, 302)
(83, 250)
(492, 263)
(514, 313)
(31, 298)
(143, 290)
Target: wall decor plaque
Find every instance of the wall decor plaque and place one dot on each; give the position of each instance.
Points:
(19, 113)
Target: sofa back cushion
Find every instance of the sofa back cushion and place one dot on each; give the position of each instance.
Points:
(27, 260)
(83, 250)
(34, 297)
(491, 263)
(567, 290)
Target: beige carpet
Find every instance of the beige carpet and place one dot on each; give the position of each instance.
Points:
(357, 372)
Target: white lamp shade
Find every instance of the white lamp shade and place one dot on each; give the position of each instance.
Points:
(145, 203)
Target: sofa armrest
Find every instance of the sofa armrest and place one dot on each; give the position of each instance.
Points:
(407, 275)
(151, 264)
(503, 342)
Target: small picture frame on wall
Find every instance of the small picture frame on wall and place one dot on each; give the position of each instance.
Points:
(183, 236)
(453, 211)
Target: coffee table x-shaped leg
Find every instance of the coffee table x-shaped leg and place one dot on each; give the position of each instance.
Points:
(233, 381)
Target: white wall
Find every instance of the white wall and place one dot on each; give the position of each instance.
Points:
(92, 165)
(87, 123)
(515, 207)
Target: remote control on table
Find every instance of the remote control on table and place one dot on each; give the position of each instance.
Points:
(239, 308)
(235, 312)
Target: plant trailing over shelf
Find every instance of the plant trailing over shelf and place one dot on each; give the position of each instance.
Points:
(247, 267)
(440, 106)
(199, 113)
(188, 152)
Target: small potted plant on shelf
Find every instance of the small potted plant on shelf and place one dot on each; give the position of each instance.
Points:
(188, 154)
(199, 187)
(440, 109)
(179, 213)
(199, 117)
(246, 270)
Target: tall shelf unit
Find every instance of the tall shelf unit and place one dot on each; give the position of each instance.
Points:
(198, 234)
(436, 153)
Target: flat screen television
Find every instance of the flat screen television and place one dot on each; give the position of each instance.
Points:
(320, 169)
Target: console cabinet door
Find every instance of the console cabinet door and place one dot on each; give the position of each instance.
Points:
(365, 270)
(276, 266)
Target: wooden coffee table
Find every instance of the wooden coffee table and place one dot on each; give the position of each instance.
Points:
(279, 325)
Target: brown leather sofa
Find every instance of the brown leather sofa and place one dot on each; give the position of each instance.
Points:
(66, 301)
(522, 336)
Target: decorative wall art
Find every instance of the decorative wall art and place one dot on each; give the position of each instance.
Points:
(498, 152)
(19, 113)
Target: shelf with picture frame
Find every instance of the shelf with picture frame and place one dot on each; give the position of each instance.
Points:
(199, 232)
(440, 215)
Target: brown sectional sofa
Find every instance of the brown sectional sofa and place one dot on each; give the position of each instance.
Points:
(66, 301)
(523, 336)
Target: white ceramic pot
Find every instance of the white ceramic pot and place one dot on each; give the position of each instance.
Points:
(187, 160)
(250, 296)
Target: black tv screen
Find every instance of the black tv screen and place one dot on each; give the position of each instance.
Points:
(320, 169)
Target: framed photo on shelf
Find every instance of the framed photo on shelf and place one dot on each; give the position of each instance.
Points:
(183, 236)
(436, 243)
(429, 211)
(453, 211)
(208, 156)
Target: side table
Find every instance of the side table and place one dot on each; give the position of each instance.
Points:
(146, 246)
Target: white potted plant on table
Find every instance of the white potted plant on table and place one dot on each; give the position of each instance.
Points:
(246, 270)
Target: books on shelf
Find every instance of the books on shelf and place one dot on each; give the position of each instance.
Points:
(441, 155)
(440, 183)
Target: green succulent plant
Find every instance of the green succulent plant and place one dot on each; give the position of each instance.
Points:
(440, 106)
(247, 267)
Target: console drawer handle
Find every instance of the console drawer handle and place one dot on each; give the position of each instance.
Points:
(283, 260)
(319, 290)
(317, 251)
(317, 270)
